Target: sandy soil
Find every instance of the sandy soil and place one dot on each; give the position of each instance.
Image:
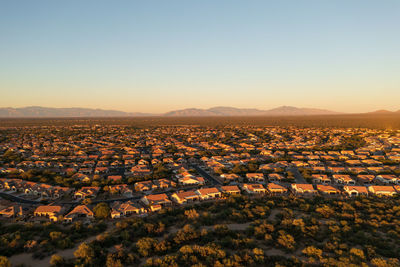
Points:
(274, 212)
(28, 260)
(231, 226)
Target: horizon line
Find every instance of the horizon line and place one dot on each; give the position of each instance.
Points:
(201, 108)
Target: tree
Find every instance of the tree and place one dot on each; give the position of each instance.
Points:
(299, 223)
(160, 171)
(146, 245)
(313, 252)
(102, 211)
(239, 169)
(55, 235)
(286, 240)
(258, 254)
(252, 167)
(84, 251)
(358, 253)
(4, 262)
(325, 211)
(380, 262)
(112, 262)
(191, 214)
(56, 260)
(87, 201)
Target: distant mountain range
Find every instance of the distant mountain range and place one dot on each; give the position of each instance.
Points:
(44, 112)
(384, 111)
(229, 111)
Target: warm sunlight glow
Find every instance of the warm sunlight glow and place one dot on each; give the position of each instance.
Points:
(158, 56)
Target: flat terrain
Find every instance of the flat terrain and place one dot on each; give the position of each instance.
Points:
(220, 191)
(378, 121)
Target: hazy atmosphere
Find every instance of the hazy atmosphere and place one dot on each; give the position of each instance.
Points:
(200, 133)
(157, 56)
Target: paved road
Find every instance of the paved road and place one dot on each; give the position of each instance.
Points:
(118, 199)
(297, 175)
(27, 201)
(18, 199)
(136, 196)
(211, 179)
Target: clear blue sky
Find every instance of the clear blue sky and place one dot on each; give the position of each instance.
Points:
(155, 56)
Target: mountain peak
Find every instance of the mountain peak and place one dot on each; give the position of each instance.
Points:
(46, 112)
(232, 111)
(381, 111)
(286, 108)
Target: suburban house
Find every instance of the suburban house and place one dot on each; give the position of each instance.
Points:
(120, 209)
(336, 170)
(320, 179)
(101, 170)
(143, 162)
(155, 207)
(12, 211)
(388, 179)
(185, 197)
(267, 167)
(114, 178)
(299, 163)
(382, 190)
(275, 177)
(164, 183)
(156, 199)
(229, 177)
(209, 193)
(80, 211)
(255, 177)
(44, 190)
(87, 192)
(230, 189)
(30, 188)
(85, 172)
(303, 189)
(59, 191)
(327, 189)
(376, 170)
(274, 188)
(50, 211)
(354, 190)
(319, 169)
(12, 184)
(366, 179)
(140, 170)
(144, 186)
(122, 189)
(254, 188)
(191, 180)
(81, 177)
(343, 179)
